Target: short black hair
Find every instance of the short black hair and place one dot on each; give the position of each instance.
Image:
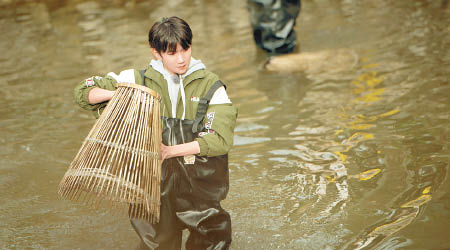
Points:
(164, 35)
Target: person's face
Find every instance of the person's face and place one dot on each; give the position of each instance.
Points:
(175, 62)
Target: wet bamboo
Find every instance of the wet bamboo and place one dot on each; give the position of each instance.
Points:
(91, 150)
(134, 153)
(140, 155)
(131, 157)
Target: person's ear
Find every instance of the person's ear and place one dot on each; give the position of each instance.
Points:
(156, 54)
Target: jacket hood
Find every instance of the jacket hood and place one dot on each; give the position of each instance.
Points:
(194, 65)
(175, 82)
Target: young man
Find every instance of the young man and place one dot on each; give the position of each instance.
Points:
(198, 123)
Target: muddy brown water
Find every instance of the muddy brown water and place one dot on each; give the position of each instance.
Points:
(349, 160)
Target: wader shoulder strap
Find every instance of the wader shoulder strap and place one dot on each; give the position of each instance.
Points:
(203, 106)
(142, 72)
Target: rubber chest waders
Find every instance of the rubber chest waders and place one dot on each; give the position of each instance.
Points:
(191, 191)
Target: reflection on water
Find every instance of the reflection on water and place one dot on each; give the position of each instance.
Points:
(345, 158)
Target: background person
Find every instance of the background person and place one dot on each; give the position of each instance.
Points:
(273, 24)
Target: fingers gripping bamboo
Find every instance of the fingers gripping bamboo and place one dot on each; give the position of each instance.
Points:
(119, 161)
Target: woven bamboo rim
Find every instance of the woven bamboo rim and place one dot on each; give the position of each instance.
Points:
(140, 87)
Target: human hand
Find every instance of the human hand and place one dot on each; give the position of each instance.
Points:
(164, 152)
(98, 95)
(190, 148)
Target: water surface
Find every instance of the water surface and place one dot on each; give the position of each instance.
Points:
(354, 160)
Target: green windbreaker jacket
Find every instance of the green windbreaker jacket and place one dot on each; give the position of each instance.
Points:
(221, 118)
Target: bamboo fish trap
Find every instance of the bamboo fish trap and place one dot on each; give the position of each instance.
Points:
(119, 160)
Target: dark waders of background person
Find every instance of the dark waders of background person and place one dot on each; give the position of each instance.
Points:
(273, 24)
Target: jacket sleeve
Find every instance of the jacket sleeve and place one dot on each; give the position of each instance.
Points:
(219, 123)
(82, 91)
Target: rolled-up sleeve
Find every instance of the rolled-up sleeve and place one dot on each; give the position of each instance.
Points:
(81, 92)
